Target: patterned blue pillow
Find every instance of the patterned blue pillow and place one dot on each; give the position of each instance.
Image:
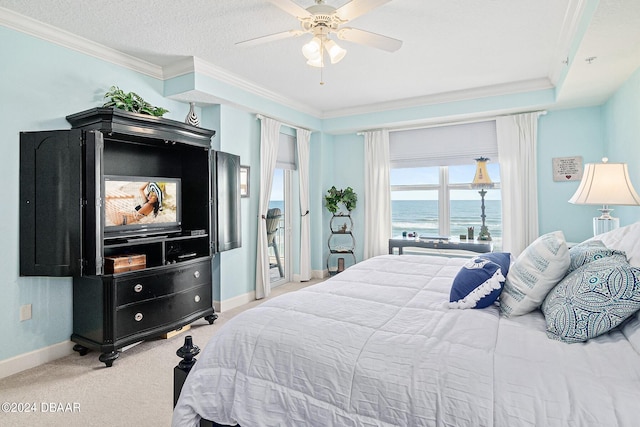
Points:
(590, 251)
(479, 282)
(592, 300)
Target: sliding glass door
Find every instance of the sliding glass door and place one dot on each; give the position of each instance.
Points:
(279, 229)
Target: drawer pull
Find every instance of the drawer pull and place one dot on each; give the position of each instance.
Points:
(197, 298)
(138, 288)
(196, 274)
(138, 317)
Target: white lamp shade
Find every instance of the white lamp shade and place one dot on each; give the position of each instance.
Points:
(605, 184)
(336, 53)
(311, 50)
(317, 61)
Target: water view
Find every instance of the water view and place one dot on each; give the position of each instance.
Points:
(422, 216)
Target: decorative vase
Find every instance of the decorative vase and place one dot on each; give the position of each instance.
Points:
(192, 118)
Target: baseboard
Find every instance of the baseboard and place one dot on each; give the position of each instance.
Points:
(234, 302)
(231, 303)
(34, 358)
(315, 274)
(319, 274)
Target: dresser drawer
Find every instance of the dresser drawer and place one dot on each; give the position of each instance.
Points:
(144, 286)
(136, 318)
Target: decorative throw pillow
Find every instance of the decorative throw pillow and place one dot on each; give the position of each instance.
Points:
(624, 239)
(503, 259)
(534, 273)
(592, 300)
(590, 251)
(479, 282)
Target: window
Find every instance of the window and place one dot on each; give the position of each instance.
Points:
(431, 174)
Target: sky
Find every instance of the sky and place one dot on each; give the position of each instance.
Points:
(459, 174)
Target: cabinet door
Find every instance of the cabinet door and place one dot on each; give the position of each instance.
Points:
(53, 200)
(227, 197)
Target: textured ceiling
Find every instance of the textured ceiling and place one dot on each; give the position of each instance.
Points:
(450, 46)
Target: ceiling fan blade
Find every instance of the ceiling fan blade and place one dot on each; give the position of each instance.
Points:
(355, 8)
(270, 38)
(369, 39)
(291, 8)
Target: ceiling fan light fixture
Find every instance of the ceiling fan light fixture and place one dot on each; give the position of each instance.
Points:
(312, 50)
(316, 62)
(336, 53)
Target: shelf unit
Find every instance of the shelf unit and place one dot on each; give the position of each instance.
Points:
(341, 243)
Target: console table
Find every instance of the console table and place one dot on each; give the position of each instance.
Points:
(478, 246)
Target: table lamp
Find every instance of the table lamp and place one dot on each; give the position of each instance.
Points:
(605, 184)
(482, 181)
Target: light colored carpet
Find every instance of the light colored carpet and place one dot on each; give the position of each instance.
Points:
(136, 391)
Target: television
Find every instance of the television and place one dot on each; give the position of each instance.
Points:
(141, 205)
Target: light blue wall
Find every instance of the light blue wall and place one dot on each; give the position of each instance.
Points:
(321, 165)
(344, 157)
(240, 135)
(622, 119)
(567, 133)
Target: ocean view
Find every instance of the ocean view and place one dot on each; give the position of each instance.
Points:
(422, 216)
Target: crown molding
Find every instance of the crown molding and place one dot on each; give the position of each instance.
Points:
(562, 56)
(64, 38)
(446, 97)
(199, 66)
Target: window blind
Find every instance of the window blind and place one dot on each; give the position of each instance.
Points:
(443, 145)
(286, 152)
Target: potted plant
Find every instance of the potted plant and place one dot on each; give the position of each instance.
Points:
(332, 199)
(349, 198)
(335, 197)
(131, 102)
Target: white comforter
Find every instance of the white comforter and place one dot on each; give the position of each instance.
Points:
(376, 346)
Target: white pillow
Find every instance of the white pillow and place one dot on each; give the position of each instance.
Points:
(625, 239)
(631, 330)
(534, 273)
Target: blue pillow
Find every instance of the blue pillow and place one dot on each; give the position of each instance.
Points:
(479, 282)
(503, 259)
(592, 300)
(590, 251)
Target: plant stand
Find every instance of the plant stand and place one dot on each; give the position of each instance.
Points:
(341, 243)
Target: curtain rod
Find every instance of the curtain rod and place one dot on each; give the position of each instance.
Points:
(262, 116)
(455, 122)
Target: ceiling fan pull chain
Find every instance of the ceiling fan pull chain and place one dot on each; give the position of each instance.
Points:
(321, 61)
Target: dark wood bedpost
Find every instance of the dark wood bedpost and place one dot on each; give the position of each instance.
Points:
(188, 353)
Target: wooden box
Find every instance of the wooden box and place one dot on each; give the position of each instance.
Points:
(122, 263)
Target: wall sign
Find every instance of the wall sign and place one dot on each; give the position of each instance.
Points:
(567, 168)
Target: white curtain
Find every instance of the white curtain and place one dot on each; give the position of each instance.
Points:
(377, 201)
(303, 136)
(269, 138)
(517, 141)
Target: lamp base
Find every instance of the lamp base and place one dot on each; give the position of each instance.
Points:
(484, 233)
(602, 225)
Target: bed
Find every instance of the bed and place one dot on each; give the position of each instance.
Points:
(383, 344)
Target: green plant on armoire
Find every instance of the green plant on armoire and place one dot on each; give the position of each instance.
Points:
(131, 102)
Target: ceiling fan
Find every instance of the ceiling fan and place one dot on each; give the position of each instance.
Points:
(322, 20)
